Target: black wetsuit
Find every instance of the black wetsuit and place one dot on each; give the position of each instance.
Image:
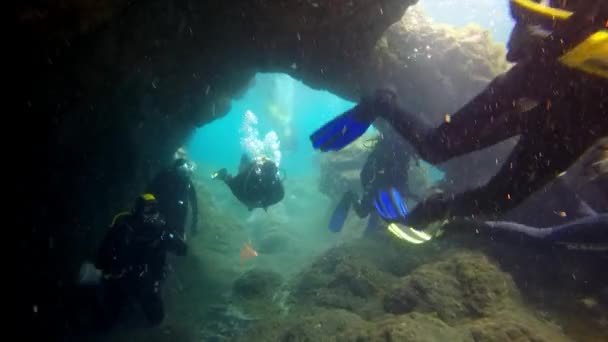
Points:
(132, 259)
(175, 192)
(571, 116)
(257, 185)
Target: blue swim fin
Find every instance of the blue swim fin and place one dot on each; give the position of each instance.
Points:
(339, 215)
(390, 205)
(341, 131)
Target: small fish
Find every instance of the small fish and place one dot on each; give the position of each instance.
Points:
(247, 252)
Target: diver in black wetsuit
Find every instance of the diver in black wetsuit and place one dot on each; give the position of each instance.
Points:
(132, 260)
(570, 115)
(175, 192)
(257, 185)
(386, 167)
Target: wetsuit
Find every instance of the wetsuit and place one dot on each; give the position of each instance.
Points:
(257, 185)
(175, 193)
(132, 260)
(386, 167)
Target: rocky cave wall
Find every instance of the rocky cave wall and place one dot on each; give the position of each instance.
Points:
(109, 89)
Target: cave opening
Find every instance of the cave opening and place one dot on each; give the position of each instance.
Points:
(281, 104)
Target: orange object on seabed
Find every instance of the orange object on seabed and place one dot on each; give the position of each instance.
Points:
(247, 252)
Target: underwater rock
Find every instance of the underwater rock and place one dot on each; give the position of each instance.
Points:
(357, 280)
(515, 325)
(223, 323)
(346, 277)
(340, 171)
(349, 294)
(341, 325)
(257, 284)
(414, 327)
(465, 285)
(316, 325)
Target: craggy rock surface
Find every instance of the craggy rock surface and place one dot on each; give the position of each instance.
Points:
(353, 294)
(467, 285)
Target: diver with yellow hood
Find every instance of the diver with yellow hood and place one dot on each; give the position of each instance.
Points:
(561, 56)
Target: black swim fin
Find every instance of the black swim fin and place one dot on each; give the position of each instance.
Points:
(341, 131)
(339, 215)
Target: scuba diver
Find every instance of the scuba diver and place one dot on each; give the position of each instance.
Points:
(385, 167)
(175, 192)
(257, 185)
(561, 66)
(132, 259)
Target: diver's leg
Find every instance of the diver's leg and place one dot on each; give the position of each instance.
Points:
(152, 305)
(112, 299)
(534, 162)
(363, 206)
(487, 119)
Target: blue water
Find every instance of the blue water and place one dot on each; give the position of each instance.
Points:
(218, 143)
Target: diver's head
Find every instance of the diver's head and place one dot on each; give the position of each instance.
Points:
(183, 167)
(180, 153)
(269, 167)
(269, 171)
(146, 207)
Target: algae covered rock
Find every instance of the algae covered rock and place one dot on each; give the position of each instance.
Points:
(515, 325)
(340, 171)
(317, 325)
(414, 327)
(346, 279)
(257, 284)
(465, 285)
(455, 296)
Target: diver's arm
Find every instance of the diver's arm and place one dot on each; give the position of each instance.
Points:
(522, 174)
(487, 119)
(174, 243)
(194, 204)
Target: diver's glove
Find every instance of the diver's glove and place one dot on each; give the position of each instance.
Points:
(390, 205)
